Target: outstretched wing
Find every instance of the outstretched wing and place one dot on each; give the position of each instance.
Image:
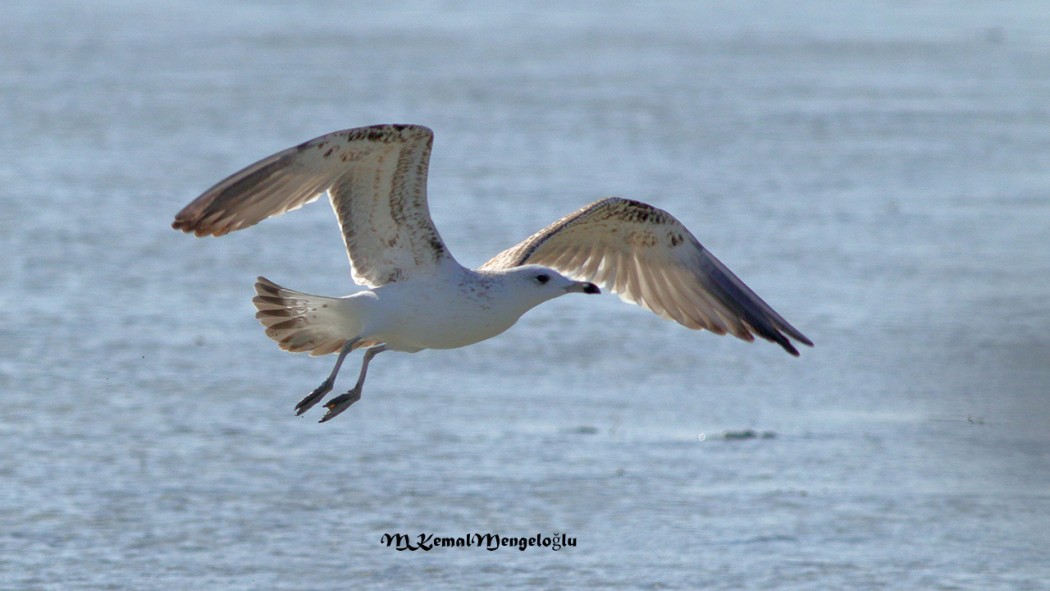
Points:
(649, 258)
(376, 180)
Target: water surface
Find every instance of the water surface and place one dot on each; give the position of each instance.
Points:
(878, 172)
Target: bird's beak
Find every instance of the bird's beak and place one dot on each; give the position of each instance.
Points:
(584, 287)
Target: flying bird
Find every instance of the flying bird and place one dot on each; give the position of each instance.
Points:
(419, 297)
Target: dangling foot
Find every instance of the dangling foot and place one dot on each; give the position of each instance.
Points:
(306, 403)
(343, 401)
(340, 403)
(326, 386)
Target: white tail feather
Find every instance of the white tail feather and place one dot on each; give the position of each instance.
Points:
(303, 322)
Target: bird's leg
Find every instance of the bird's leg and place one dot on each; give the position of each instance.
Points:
(343, 401)
(326, 386)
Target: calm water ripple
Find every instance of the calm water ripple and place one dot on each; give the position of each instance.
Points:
(877, 171)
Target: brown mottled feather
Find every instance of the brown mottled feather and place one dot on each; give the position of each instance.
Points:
(649, 258)
(376, 180)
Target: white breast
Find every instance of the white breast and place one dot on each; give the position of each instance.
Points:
(442, 311)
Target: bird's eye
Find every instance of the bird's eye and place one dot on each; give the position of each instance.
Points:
(543, 278)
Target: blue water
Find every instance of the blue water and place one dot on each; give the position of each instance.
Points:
(879, 172)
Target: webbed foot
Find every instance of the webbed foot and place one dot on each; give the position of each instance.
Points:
(314, 397)
(341, 403)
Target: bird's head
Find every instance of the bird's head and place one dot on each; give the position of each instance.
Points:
(519, 289)
(547, 281)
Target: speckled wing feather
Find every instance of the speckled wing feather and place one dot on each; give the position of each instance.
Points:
(648, 257)
(376, 180)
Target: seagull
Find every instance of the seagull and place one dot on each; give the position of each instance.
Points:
(419, 297)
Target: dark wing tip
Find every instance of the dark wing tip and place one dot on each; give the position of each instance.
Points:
(187, 226)
(788, 346)
(198, 229)
(204, 222)
(748, 306)
(773, 333)
(795, 334)
(183, 225)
